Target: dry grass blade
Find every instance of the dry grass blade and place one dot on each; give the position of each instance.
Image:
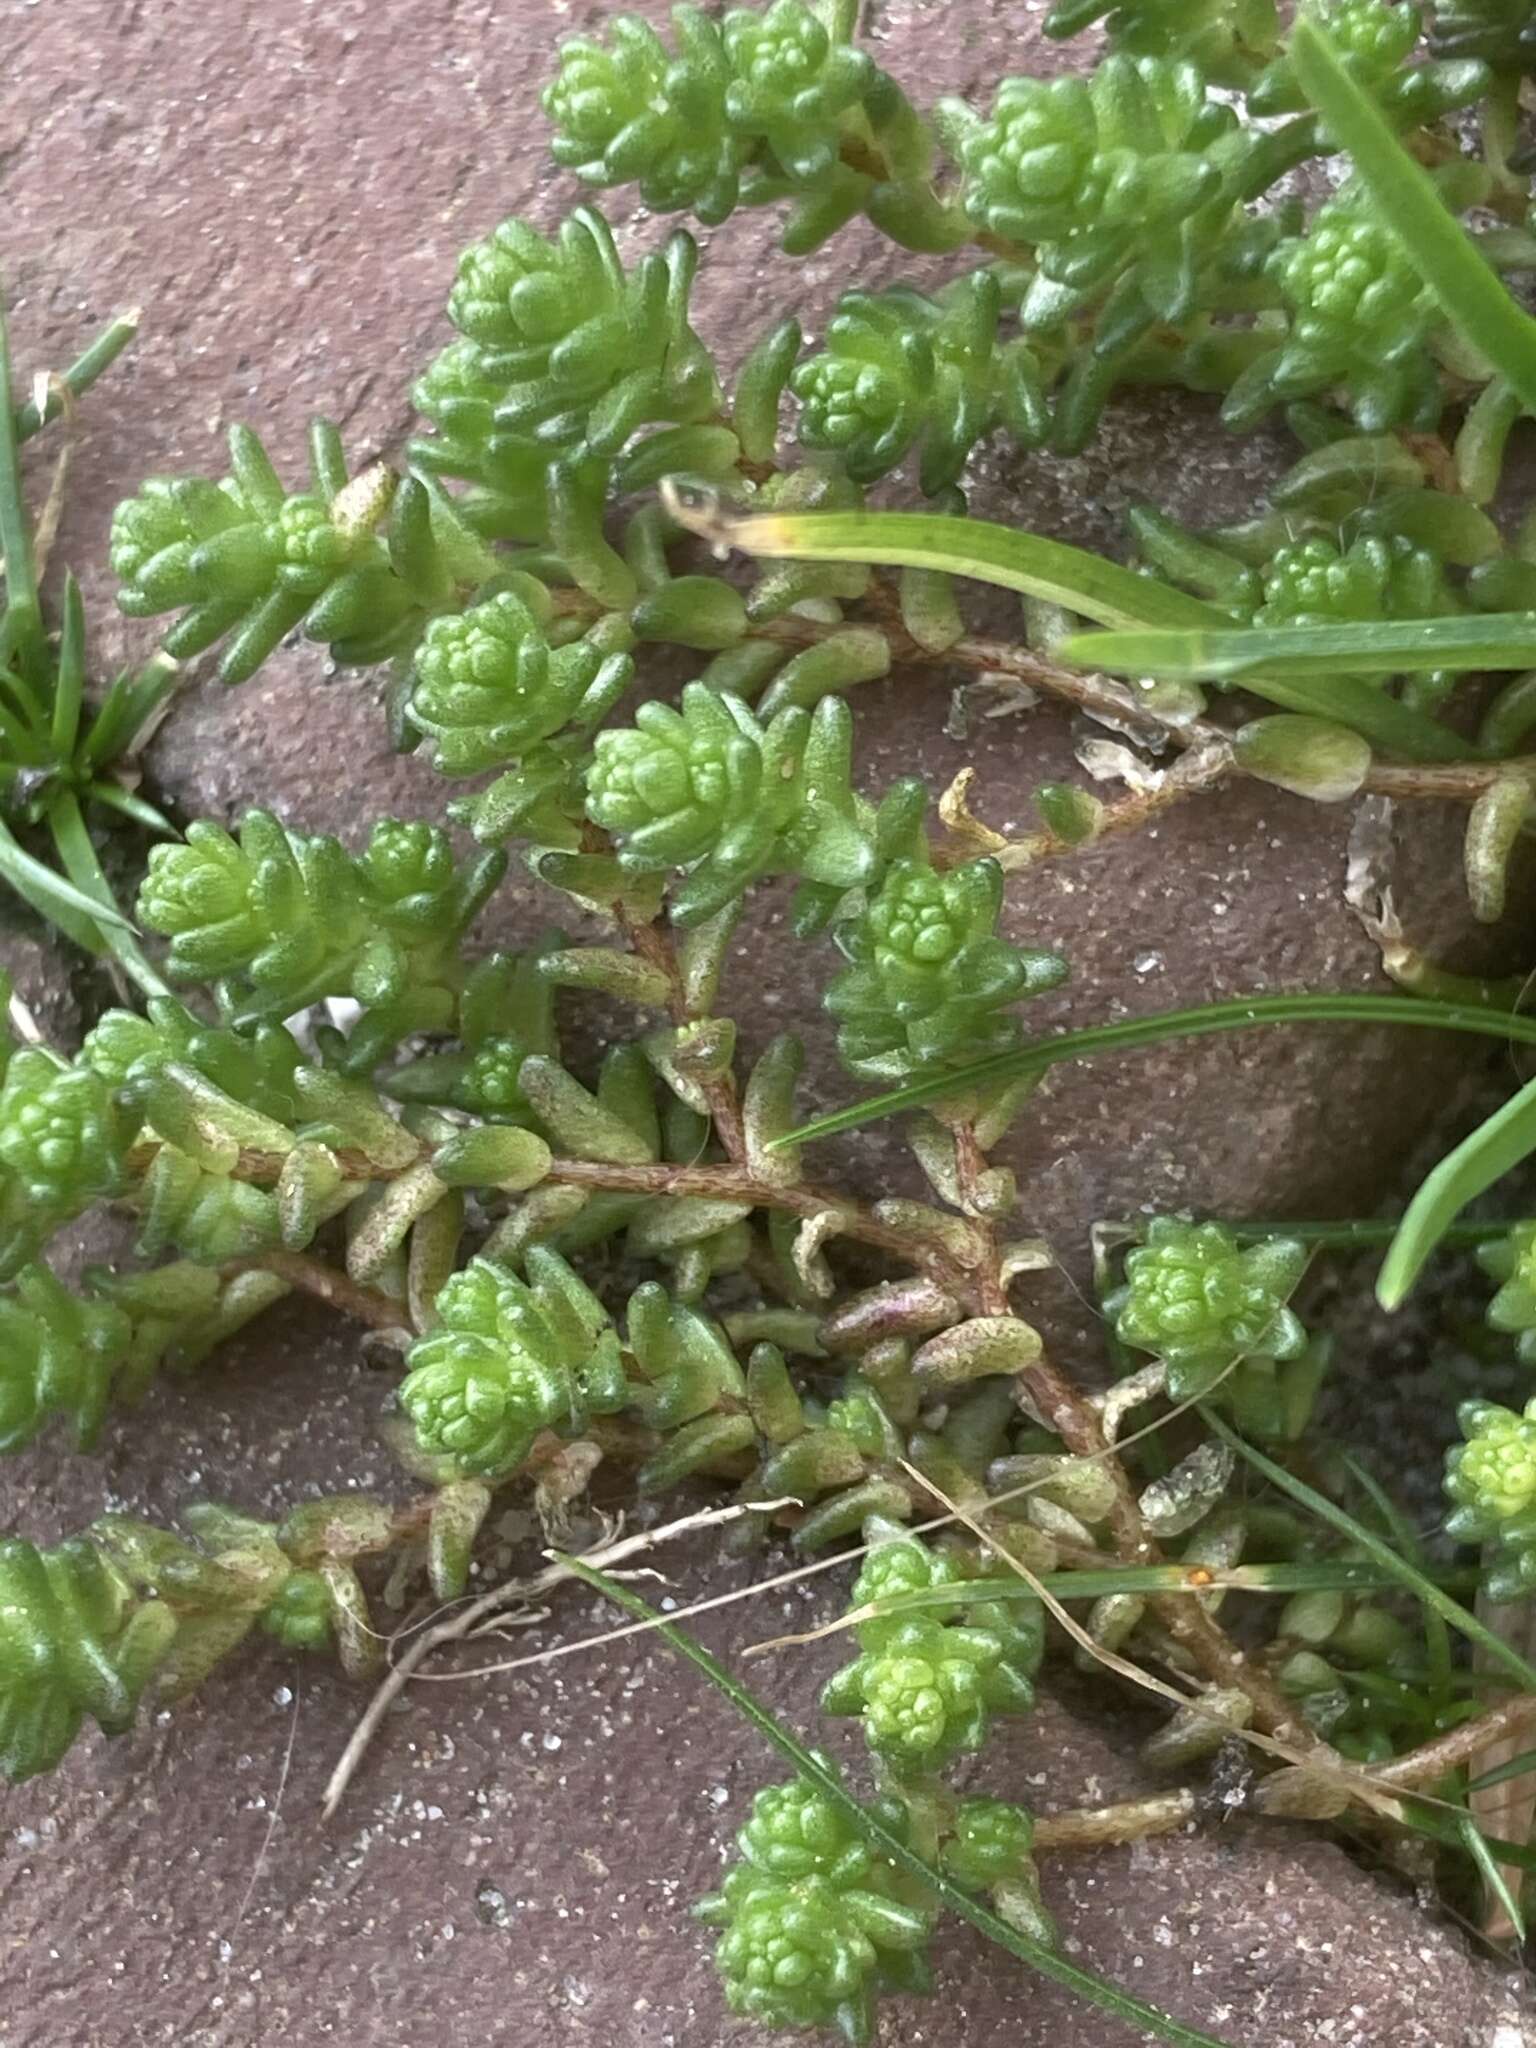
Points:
(47, 531)
(554, 1652)
(485, 1614)
(1355, 1784)
(511, 1593)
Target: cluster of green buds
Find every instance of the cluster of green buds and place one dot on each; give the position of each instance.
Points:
(488, 685)
(812, 1921)
(68, 1354)
(256, 1067)
(926, 1684)
(73, 1641)
(1317, 582)
(59, 1355)
(1107, 180)
(628, 110)
(1201, 1303)
(491, 691)
(1511, 1260)
(359, 563)
(1376, 39)
(1237, 43)
(198, 1092)
(70, 1133)
(1499, 32)
(991, 1849)
(930, 980)
(901, 369)
(224, 1574)
(507, 1359)
(564, 352)
(63, 1140)
(87, 1628)
(1491, 1481)
(1352, 534)
(759, 105)
(166, 1112)
(505, 1014)
(1230, 40)
(713, 790)
(1359, 314)
(281, 920)
(582, 350)
(510, 472)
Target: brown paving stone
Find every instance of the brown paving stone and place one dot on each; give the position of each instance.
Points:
(285, 187)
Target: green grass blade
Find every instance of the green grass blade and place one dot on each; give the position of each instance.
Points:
(131, 701)
(1498, 1144)
(1380, 647)
(50, 895)
(73, 841)
(115, 798)
(1474, 300)
(1407, 1574)
(69, 683)
(1477, 1847)
(1518, 1767)
(1360, 1233)
(1340, 1576)
(1437, 1634)
(26, 621)
(1095, 1990)
(976, 548)
(82, 373)
(1084, 583)
(1320, 670)
(1316, 671)
(1241, 1015)
(1446, 1827)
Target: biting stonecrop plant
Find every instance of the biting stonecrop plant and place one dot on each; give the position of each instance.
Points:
(813, 1923)
(326, 1087)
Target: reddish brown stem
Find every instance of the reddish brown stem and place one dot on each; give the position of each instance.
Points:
(1076, 1422)
(724, 1181)
(728, 1182)
(1459, 782)
(328, 1284)
(1432, 1760)
(1061, 1406)
(653, 945)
